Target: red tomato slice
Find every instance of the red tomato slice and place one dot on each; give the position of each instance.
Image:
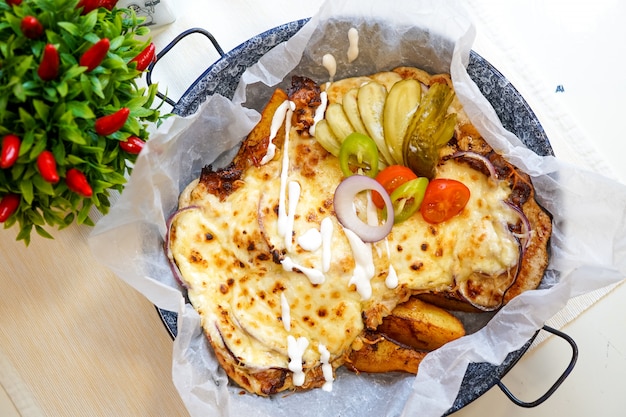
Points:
(444, 199)
(391, 178)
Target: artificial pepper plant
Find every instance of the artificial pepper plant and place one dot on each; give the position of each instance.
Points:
(73, 116)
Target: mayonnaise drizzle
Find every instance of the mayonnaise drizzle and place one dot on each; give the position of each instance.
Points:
(294, 196)
(285, 312)
(295, 349)
(319, 112)
(277, 121)
(353, 49)
(315, 276)
(284, 173)
(392, 277)
(329, 62)
(364, 269)
(327, 369)
(311, 240)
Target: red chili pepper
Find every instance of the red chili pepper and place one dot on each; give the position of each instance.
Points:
(14, 2)
(77, 182)
(145, 57)
(93, 56)
(111, 123)
(31, 27)
(108, 4)
(89, 5)
(9, 203)
(48, 167)
(132, 145)
(10, 151)
(49, 66)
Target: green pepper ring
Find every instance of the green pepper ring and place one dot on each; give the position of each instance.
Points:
(360, 150)
(411, 192)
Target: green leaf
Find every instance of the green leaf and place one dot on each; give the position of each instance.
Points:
(27, 142)
(89, 22)
(27, 120)
(75, 160)
(26, 189)
(43, 185)
(42, 109)
(42, 232)
(72, 134)
(62, 88)
(25, 63)
(83, 214)
(81, 109)
(74, 72)
(19, 92)
(70, 27)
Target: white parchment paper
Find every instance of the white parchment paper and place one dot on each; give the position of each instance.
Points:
(588, 246)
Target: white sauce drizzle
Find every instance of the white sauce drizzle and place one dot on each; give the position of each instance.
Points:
(277, 121)
(329, 62)
(295, 349)
(392, 277)
(327, 368)
(353, 49)
(326, 229)
(311, 240)
(294, 196)
(282, 213)
(285, 312)
(314, 275)
(319, 112)
(364, 269)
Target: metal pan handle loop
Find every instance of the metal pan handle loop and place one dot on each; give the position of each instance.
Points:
(558, 382)
(169, 46)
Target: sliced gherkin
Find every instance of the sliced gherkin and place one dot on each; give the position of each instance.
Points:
(401, 104)
(351, 108)
(371, 101)
(430, 129)
(338, 121)
(325, 136)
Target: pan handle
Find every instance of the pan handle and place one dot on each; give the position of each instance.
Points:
(558, 382)
(169, 46)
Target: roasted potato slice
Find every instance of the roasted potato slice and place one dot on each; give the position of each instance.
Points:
(378, 354)
(421, 325)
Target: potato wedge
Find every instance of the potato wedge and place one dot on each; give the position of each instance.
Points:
(379, 355)
(421, 326)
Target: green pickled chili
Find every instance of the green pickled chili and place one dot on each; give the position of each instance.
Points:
(358, 152)
(407, 198)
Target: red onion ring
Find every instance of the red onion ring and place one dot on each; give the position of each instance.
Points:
(344, 208)
(168, 250)
(524, 236)
(480, 158)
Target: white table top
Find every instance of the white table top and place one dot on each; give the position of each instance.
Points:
(563, 43)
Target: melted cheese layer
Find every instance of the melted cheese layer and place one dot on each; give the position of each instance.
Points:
(229, 254)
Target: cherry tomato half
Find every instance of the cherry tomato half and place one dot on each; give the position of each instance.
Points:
(358, 152)
(391, 178)
(444, 199)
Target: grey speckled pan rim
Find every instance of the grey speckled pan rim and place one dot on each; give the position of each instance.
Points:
(516, 115)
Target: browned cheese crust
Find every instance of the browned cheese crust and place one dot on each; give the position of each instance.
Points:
(374, 350)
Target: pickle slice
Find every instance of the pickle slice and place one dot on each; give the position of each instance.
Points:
(430, 129)
(351, 108)
(325, 136)
(401, 104)
(338, 121)
(371, 101)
